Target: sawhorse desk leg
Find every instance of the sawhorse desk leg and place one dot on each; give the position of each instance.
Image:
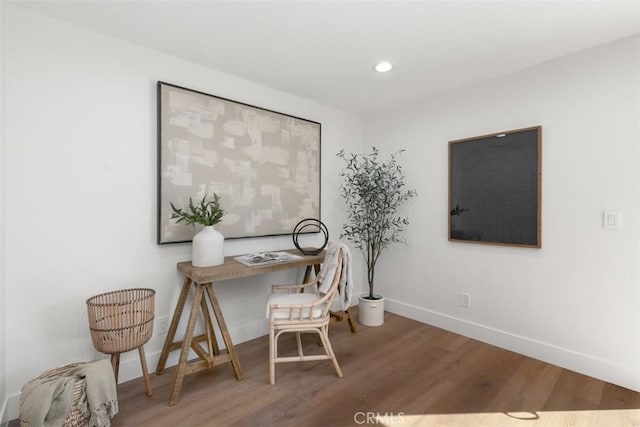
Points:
(209, 357)
(231, 350)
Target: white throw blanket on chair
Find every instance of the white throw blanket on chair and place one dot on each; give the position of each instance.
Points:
(345, 287)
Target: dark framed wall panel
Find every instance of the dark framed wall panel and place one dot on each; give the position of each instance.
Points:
(495, 188)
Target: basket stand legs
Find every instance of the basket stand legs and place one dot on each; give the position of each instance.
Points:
(145, 372)
(115, 363)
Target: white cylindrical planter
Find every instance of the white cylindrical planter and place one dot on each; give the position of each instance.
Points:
(208, 248)
(371, 312)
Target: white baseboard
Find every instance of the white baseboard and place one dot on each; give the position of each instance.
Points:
(563, 357)
(3, 414)
(10, 408)
(130, 364)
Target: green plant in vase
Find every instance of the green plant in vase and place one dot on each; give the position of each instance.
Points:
(208, 244)
(374, 190)
(206, 212)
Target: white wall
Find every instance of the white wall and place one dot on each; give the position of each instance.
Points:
(576, 301)
(2, 205)
(80, 209)
(78, 202)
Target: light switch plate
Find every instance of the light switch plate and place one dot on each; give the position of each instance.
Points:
(611, 220)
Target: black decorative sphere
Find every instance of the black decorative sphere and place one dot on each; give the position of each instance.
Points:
(308, 223)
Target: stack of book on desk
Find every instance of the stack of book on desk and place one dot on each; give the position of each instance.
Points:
(262, 258)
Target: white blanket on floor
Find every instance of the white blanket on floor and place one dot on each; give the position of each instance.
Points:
(48, 401)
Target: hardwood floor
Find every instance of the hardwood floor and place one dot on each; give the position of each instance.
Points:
(420, 374)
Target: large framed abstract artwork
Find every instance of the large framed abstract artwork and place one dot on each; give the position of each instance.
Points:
(495, 188)
(264, 165)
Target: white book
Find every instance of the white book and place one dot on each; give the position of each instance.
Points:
(262, 258)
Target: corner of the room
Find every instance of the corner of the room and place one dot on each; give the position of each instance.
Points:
(3, 400)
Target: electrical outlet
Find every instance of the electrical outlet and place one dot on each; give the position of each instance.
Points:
(465, 300)
(163, 324)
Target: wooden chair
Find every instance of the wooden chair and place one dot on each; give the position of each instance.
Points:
(301, 312)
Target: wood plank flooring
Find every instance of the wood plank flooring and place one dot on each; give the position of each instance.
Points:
(405, 373)
(421, 374)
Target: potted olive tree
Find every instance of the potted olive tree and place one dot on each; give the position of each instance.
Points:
(208, 244)
(373, 189)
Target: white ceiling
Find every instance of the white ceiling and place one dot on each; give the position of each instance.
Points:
(326, 50)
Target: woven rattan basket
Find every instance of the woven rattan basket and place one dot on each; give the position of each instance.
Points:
(121, 320)
(80, 414)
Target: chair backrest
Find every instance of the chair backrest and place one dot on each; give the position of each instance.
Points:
(328, 282)
(333, 289)
(333, 257)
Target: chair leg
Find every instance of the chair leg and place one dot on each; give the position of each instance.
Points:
(324, 334)
(145, 372)
(352, 323)
(115, 364)
(299, 341)
(272, 355)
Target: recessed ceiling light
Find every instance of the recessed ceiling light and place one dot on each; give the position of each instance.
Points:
(383, 67)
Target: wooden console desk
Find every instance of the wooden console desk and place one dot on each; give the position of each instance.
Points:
(202, 278)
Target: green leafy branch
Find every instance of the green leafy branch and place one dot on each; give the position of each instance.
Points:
(206, 212)
(373, 190)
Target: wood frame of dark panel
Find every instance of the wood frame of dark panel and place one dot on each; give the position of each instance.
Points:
(492, 144)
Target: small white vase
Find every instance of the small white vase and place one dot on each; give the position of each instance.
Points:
(208, 248)
(371, 312)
